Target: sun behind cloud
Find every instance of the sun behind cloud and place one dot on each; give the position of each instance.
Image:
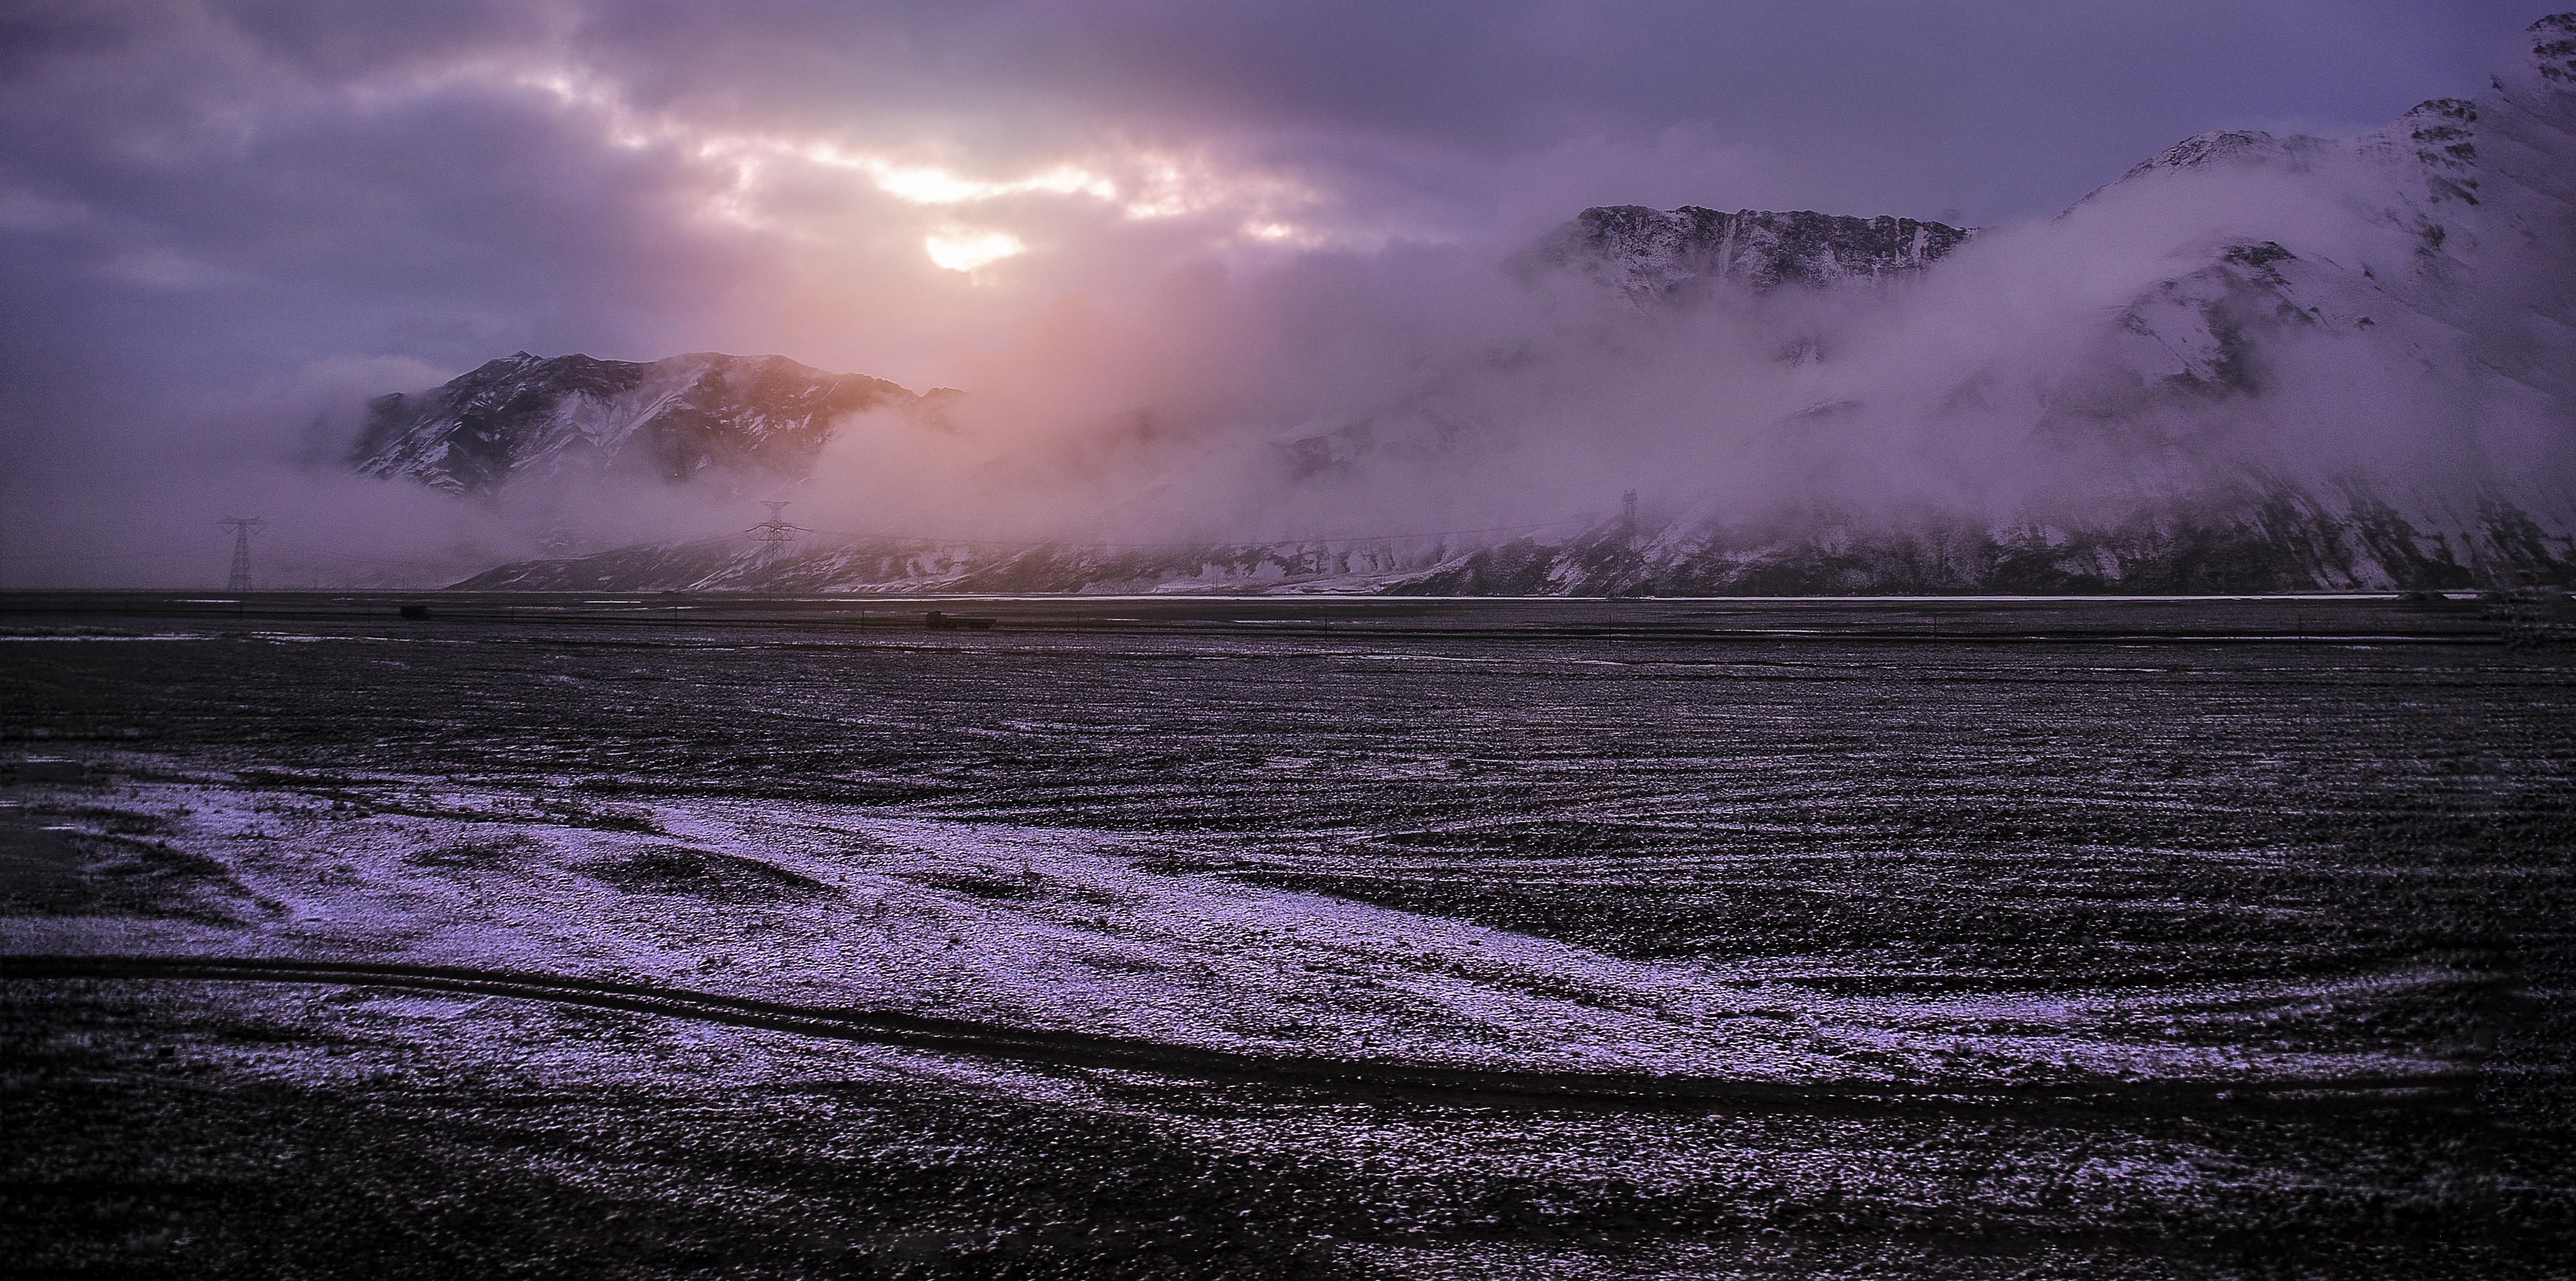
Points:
(967, 250)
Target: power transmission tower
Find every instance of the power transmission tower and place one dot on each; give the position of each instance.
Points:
(242, 526)
(775, 533)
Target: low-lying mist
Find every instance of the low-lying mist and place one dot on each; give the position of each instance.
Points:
(2181, 335)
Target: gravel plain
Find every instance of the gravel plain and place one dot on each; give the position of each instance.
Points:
(664, 936)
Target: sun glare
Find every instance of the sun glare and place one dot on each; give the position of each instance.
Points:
(923, 185)
(967, 250)
(1142, 185)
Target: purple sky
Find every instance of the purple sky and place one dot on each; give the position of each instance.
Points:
(208, 204)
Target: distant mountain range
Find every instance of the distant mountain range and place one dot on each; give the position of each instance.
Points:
(2441, 254)
(2269, 543)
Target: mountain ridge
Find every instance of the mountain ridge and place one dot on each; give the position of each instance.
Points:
(1660, 254)
(702, 415)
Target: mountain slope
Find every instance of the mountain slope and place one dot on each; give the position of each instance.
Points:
(2258, 541)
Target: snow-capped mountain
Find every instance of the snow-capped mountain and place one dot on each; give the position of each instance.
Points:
(2451, 252)
(705, 415)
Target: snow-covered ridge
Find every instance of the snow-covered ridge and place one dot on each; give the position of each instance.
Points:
(700, 415)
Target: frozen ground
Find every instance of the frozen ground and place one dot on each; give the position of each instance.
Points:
(1297, 938)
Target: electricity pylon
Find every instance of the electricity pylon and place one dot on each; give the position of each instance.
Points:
(776, 532)
(241, 527)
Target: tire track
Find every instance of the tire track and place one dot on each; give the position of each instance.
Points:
(1343, 1078)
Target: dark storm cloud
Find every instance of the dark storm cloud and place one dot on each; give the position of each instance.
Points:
(208, 211)
(2002, 109)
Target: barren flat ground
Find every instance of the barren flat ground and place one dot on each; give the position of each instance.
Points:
(658, 936)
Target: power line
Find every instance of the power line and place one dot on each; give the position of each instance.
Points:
(776, 532)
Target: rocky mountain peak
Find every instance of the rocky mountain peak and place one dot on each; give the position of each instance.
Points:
(2439, 137)
(2553, 51)
(1659, 254)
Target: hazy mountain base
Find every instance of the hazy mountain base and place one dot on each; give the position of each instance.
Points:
(2285, 542)
(2281, 541)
